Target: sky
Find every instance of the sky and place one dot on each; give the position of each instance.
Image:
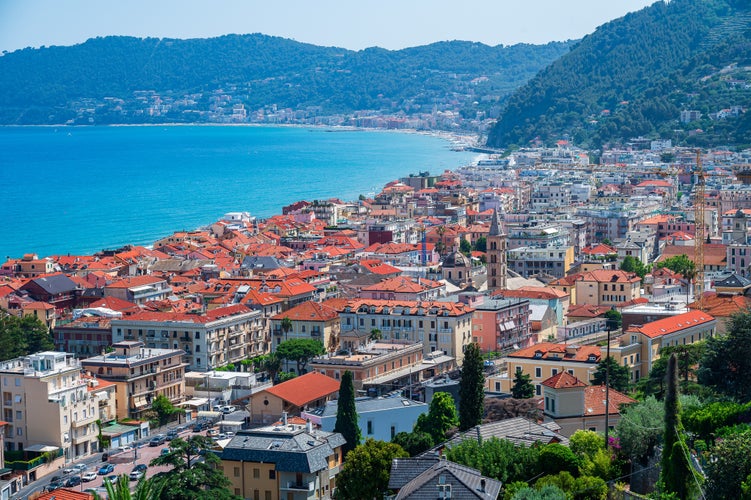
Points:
(351, 24)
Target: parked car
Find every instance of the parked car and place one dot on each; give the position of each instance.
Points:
(69, 470)
(72, 481)
(213, 433)
(138, 472)
(157, 440)
(172, 434)
(88, 476)
(126, 447)
(228, 409)
(165, 451)
(106, 469)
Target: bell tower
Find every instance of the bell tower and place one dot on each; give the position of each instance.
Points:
(495, 254)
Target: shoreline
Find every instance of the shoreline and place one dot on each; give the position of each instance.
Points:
(267, 213)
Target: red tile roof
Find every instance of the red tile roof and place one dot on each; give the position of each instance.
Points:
(213, 315)
(65, 494)
(586, 311)
(594, 400)
(553, 351)
(309, 311)
(135, 281)
(304, 389)
(605, 276)
(673, 324)
(723, 305)
(563, 380)
(403, 284)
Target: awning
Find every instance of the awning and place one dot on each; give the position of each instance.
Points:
(508, 325)
(42, 448)
(139, 402)
(194, 402)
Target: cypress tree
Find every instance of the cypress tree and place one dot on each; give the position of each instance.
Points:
(346, 414)
(677, 474)
(471, 388)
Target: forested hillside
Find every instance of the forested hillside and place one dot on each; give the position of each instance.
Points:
(633, 77)
(116, 79)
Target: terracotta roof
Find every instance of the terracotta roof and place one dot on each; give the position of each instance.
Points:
(563, 380)
(213, 315)
(586, 311)
(532, 292)
(594, 400)
(403, 284)
(65, 494)
(714, 253)
(42, 306)
(135, 281)
(302, 390)
(605, 276)
(723, 305)
(451, 308)
(673, 324)
(599, 249)
(376, 266)
(656, 219)
(308, 311)
(553, 351)
(116, 304)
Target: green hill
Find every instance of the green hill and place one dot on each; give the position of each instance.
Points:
(633, 77)
(125, 79)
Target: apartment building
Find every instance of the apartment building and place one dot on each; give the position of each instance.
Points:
(288, 461)
(607, 288)
(209, 341)
(46, 403)
(499, 324)
(440, 326)
(140, 375)
(139, 289)
(553, 260)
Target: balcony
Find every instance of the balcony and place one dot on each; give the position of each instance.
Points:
(295, 486)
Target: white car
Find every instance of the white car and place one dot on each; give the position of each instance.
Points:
(125, 448)
(81, 467)
(88, 476)
(70, 470)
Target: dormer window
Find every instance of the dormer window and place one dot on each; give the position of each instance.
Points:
(538, 354)
(592, 358)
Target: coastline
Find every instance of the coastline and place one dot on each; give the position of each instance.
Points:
(119, 232)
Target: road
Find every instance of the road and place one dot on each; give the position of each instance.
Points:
(123, 463)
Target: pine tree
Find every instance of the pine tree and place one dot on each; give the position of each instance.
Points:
(346, 414)
(471, 388)
(523, 387)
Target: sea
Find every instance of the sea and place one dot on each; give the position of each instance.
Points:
(79, 190)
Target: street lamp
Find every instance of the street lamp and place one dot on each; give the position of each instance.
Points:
(610, 322)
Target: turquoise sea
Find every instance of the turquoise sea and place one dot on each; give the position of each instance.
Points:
(78, 190)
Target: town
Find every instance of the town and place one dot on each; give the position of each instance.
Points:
(553, 266)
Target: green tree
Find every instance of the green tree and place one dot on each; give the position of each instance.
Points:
(546, 492)
(375, 334)
(413, 443)
(286, 326)
(190, 477)
(726, 363)
(271, 364)
(146, 489)
(497, 458)
(580, 488)
(440, 419)
(523, 387)
(640, 429)
(614, 319)
(481, 244)
(465, 247)
(556, 458)
(586, 444)
(346, 414)
(365, 473)
(22, 336)
(165, 411)
(620, 376)
(729, 467)
(687, 356)
(676, 475)
(300, 351)
(681, 264)
(705, 421)
(633, 265)
(471, 388)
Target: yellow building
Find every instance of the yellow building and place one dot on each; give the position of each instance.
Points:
(140, 375)
(287, 461)
(47, 405)
(607, 288)
(545, 360)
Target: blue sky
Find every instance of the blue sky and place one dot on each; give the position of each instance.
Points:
(352, 24)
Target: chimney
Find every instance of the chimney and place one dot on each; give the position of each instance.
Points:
(284, 418)
(482, 486)
(309, 426)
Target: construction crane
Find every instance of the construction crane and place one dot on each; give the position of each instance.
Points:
(699, 237)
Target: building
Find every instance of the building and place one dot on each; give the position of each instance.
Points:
(283, 462)
(681, 329)
(309, 320)
(378, 418)
(500, 324)
(607, 288)
(139, 289)
(140, 375)
(57, 290)
(404, 288)
(440, 326)
(495, 254)
(84, 337)
(217, 338)
(292, 397)
(546, 360)
(47, 405)
(575, 405)
(422, 478)
(530, 261)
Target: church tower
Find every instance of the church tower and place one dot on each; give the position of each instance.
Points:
(495, 254)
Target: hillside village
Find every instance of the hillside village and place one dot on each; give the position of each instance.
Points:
(528, 256)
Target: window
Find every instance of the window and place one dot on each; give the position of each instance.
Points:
(538, 390)
(370, 427)
(393, 431)
(272, 474)
(538, 372)
(256, 473)
(237, 471)
(554, 372)
(18, 382)
(198, 335)
(19, 431)
(19, 415)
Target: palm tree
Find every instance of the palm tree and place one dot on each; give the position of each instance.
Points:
(146, 489)
(286, 326)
